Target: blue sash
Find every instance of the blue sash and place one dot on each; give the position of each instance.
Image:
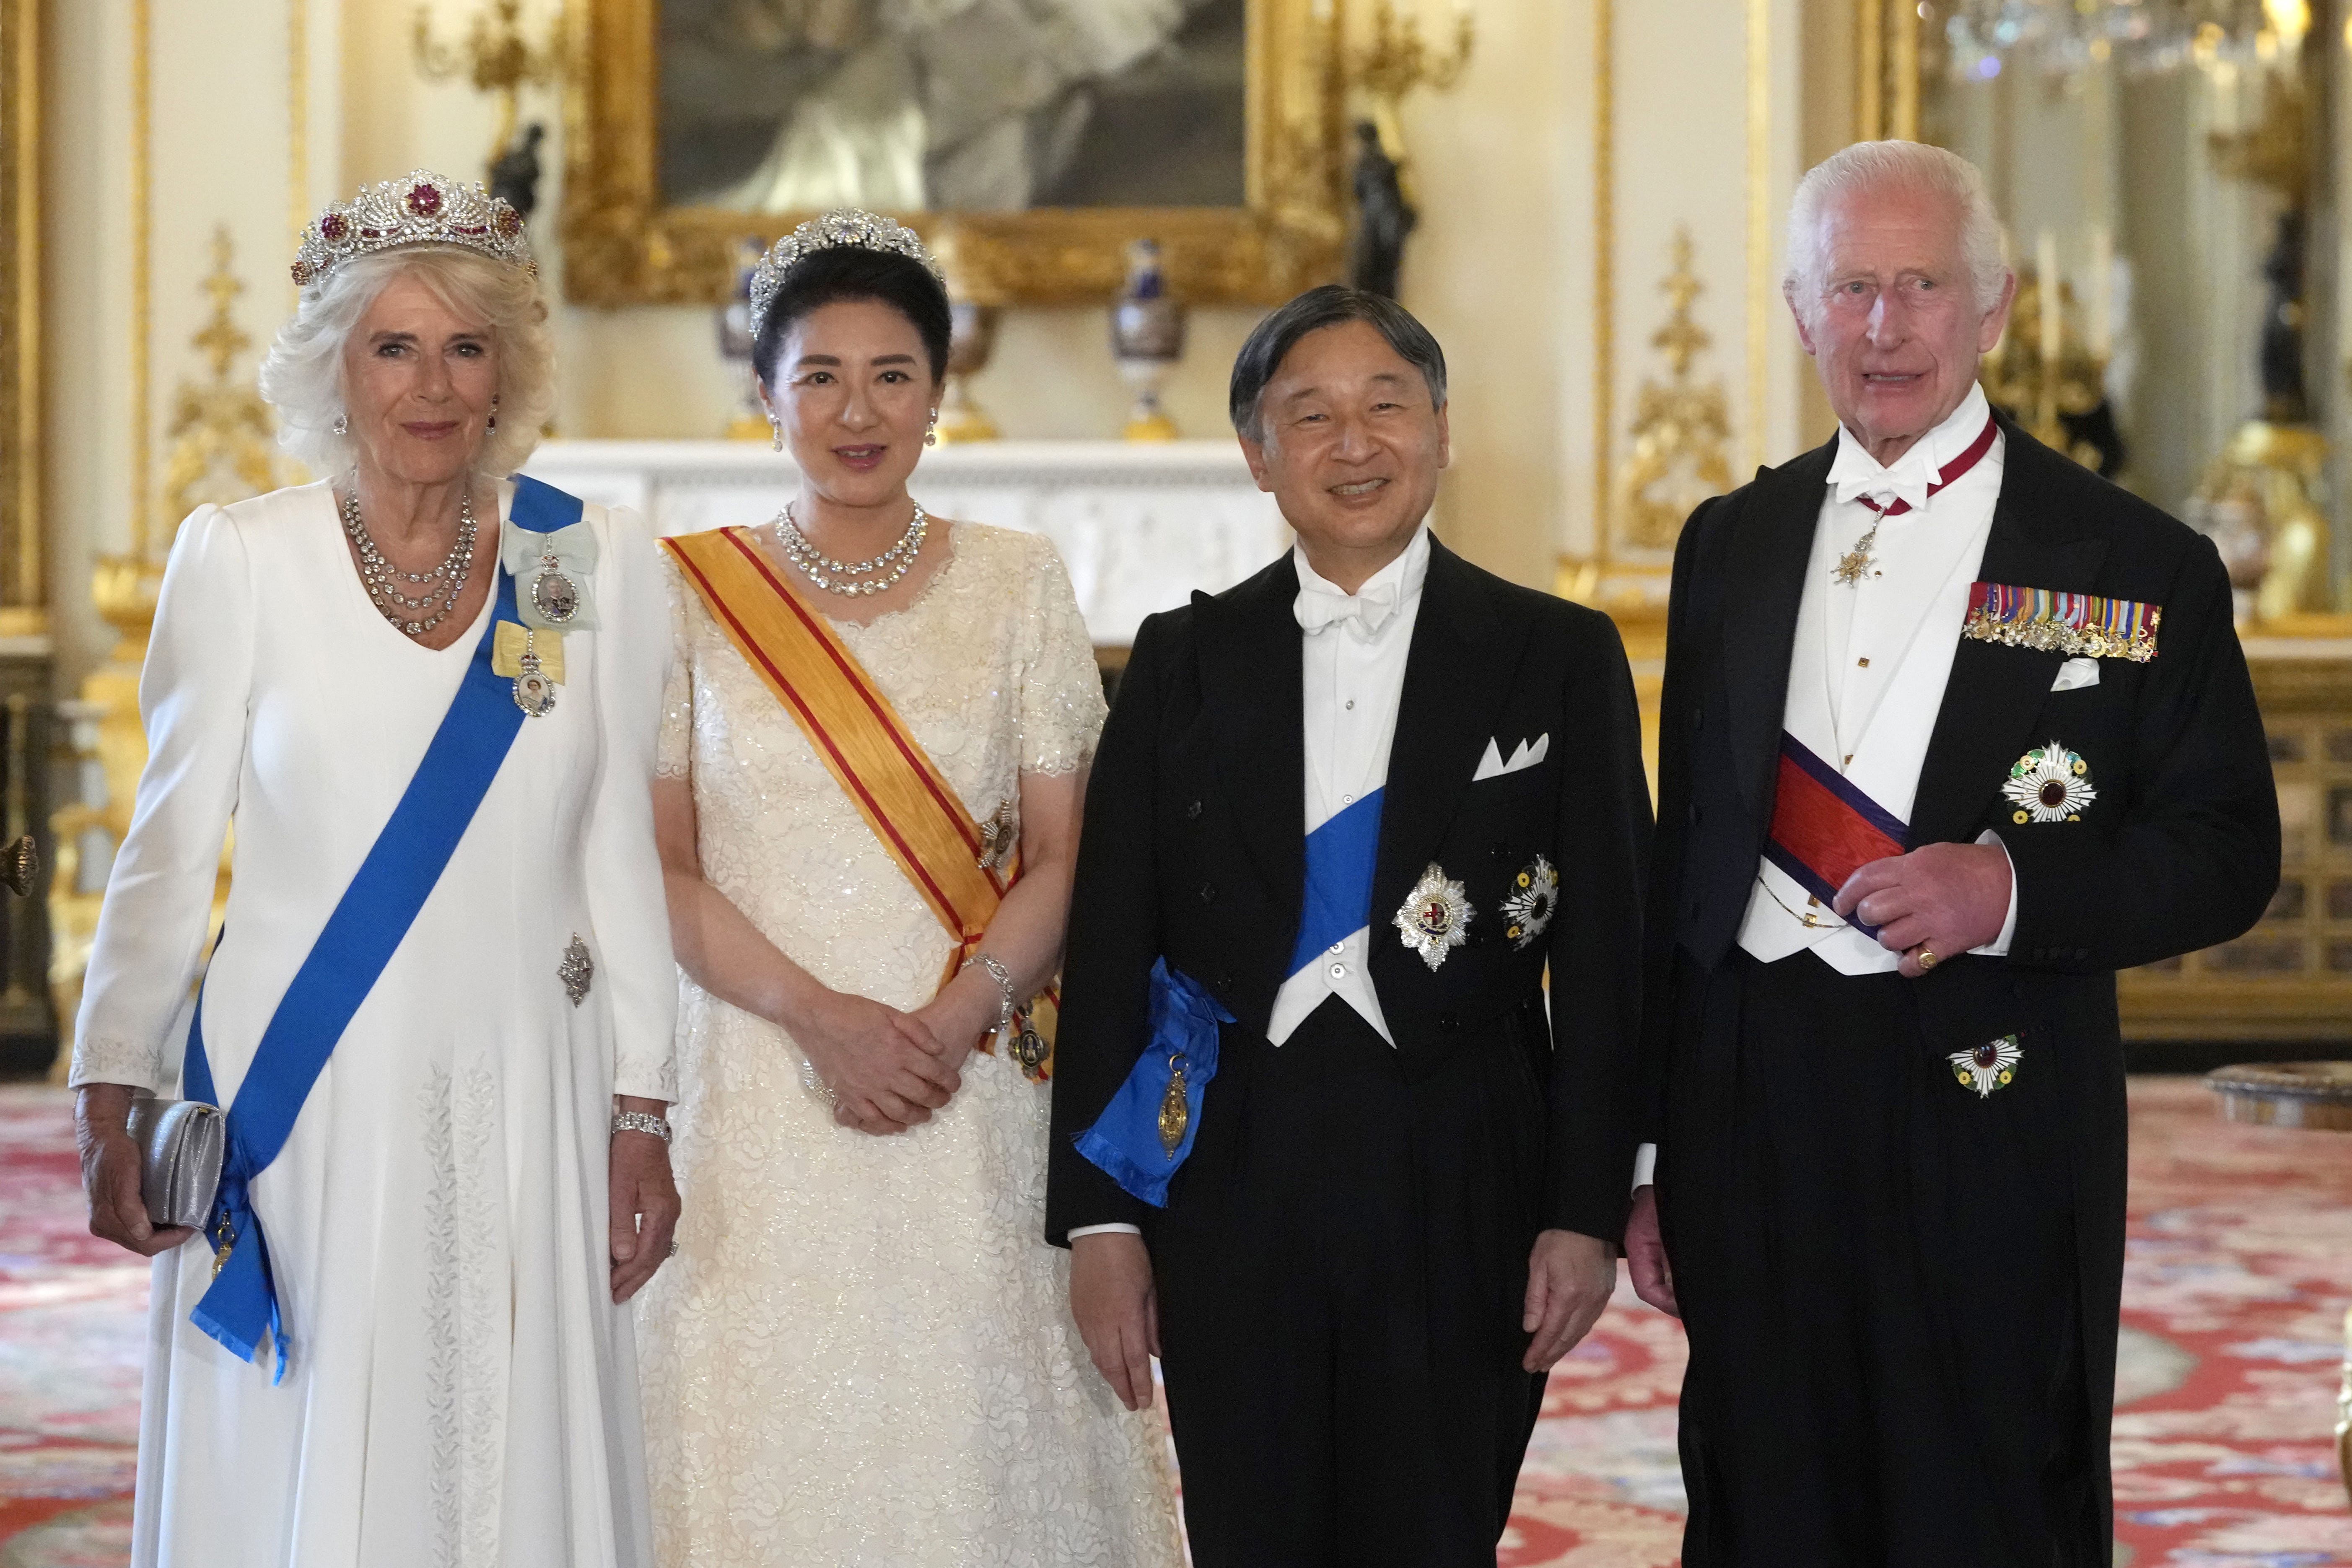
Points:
(1340, 857)
(1124, 1139)
(367, 926)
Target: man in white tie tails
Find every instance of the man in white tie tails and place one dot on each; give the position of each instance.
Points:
(1952, 730)
(1318, 1143)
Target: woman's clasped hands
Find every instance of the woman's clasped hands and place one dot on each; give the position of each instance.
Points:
(888, 1070)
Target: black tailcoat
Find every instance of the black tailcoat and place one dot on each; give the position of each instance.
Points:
(1194, 850)
(2180, 850)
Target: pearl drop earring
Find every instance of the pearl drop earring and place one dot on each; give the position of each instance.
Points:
(342, 425)
(931, 436)
(776, 434)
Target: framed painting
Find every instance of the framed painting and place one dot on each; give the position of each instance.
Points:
(1031, 139)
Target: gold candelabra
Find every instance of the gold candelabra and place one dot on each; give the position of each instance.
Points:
(496, 56)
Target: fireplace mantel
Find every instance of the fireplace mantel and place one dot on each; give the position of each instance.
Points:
(1139, 526)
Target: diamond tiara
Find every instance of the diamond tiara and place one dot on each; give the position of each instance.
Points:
(419, 208)
(842, 227)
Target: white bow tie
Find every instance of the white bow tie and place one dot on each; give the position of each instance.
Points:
(1909, 481)
(1366, 613)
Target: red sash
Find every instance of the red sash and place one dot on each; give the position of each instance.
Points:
(1824, 830)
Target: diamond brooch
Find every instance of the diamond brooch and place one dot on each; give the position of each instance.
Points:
(576, 970)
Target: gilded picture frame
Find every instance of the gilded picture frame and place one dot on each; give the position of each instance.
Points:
(625, 245)
(21, 585)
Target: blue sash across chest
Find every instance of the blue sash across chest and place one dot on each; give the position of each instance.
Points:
(367, 926)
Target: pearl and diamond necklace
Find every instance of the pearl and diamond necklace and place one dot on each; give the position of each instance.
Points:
(885, 570)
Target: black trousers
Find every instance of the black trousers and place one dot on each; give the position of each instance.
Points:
(1342, 1270)
(1877, 1272)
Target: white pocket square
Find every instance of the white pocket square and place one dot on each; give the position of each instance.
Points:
(1530, 753)
(2076, 672)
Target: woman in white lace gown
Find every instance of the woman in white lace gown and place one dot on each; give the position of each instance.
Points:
(862, 1353)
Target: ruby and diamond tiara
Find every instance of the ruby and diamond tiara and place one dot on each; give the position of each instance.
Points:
(844, 227)
(420, 208)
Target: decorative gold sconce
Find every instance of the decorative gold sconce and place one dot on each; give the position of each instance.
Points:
(1395, 59)
(497, 58)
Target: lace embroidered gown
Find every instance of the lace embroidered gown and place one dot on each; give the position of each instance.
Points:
(863, 1353)
(462, 1391)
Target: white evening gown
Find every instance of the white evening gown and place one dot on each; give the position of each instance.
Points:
(462, 1390)
(863, 1355)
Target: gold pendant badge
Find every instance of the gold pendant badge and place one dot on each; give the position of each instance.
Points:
(1175, 1113)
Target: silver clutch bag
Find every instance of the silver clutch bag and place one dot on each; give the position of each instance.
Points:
(181, 1145)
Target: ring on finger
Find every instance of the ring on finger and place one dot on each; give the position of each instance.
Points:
(1927, 959)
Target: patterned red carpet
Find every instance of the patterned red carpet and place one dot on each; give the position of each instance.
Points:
(2240, 1271)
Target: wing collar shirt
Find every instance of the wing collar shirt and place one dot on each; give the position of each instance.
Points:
(1867, 672)
(1871, 660)
(1352, 659)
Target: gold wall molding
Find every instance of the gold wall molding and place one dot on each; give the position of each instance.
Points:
(624, 245)
(143, 267)
(1886, 70)
(1759, 227)
(1578, 579)
(298, 126)
(21, 521)
(1682, 427)
(223, 435)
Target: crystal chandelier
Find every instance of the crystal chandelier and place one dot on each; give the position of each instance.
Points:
(1983, 38)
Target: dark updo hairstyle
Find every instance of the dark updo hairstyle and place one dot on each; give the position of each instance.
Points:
(854, 272)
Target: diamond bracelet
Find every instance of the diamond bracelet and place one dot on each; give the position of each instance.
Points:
(640, 1121)
(1003, 978)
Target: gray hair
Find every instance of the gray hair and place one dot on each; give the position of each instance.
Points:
(1330, 305)
(1882, 165)
(303, 374)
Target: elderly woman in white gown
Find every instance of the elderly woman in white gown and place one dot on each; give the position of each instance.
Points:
(440, 1013)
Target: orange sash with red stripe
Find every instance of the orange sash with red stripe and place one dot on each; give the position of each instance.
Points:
(914, 811)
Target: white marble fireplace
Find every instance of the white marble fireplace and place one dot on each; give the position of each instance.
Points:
(1139, 526)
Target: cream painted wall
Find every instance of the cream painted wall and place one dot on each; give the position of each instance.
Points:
(1502, 269)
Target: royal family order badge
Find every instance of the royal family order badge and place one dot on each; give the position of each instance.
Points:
(1988, 1067)
(1434, 917)
(2049, 784)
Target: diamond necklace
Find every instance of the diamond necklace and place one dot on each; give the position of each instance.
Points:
(448, 579)
(893, 563)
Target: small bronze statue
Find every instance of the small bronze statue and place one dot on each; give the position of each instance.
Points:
(1385, 219)
(514, 174)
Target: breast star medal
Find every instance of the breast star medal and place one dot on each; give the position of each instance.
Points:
(1529, 907)
(1175, 1111)
(577, 970)
(534, 690)
(1988, 1067)
(1435, 916)
(2050, 783)
(999, 836)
